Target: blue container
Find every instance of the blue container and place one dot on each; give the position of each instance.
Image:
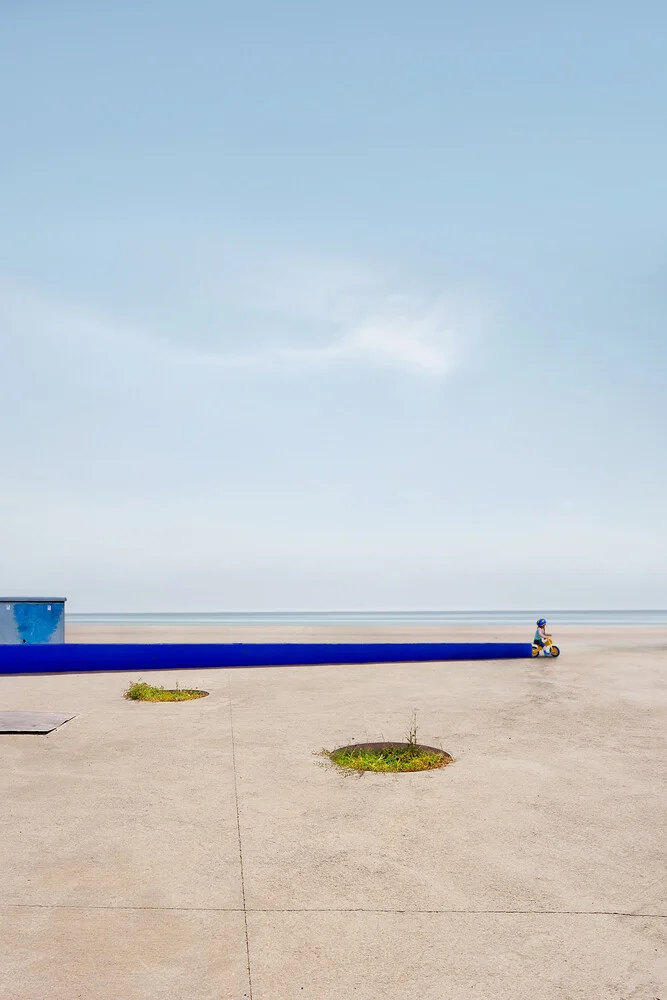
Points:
(32, 620)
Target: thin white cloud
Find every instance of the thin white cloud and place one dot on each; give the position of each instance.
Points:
(401, 332)
(416, 341)
(319, 313)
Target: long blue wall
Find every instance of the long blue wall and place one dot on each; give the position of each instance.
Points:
(79, 657)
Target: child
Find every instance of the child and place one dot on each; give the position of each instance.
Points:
(541, 635)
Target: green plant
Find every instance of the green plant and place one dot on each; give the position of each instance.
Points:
(389, 757)
(393, 757)
(411, 735)
(140, 691)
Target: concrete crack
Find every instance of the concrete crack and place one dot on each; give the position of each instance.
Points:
(332, 909)
(238, 830)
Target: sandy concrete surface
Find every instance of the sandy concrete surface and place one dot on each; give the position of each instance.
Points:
(575, 635)
(201, 851)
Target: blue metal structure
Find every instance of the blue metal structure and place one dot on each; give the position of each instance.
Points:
(32, 620)
(80, 657)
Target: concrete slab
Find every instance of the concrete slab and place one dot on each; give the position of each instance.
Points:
(447, 956)
(106, 954)
(131, 804)
(553, 802)
(32, 722)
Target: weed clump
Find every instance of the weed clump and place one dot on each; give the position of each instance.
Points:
(390, 757)
(140, 691)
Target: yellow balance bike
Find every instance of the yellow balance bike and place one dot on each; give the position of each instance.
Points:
(548, 648)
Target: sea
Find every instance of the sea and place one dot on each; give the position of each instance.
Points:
(527, 617)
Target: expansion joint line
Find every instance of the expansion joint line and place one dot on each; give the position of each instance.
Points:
(238, 830)
(334, 909)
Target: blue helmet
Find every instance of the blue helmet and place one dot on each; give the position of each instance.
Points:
(541, 622)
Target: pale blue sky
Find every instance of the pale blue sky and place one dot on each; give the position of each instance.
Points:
(351, 305)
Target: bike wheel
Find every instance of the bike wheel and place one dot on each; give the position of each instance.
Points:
(555, 651)
(535, 651)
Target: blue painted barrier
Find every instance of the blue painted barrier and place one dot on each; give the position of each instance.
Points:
(80, 657)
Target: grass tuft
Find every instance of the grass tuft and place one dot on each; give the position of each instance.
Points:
(140, 691)
(397, 757)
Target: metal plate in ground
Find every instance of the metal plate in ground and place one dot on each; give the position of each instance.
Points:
(32, 722)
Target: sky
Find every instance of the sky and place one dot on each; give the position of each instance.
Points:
(347, 306)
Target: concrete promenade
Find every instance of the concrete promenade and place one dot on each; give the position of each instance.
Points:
(200, 851)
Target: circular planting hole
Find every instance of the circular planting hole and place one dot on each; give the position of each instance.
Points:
(390, 757)
(146, 692)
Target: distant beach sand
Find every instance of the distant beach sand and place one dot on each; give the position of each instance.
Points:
(567, 636)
